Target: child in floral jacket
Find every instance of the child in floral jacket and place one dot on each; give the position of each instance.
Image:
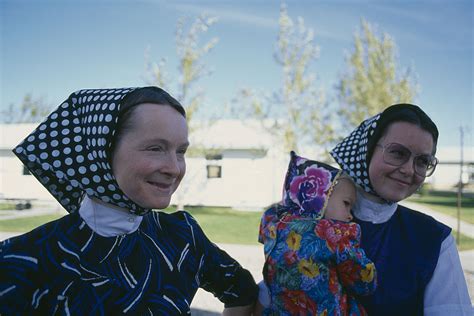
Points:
(313, 262)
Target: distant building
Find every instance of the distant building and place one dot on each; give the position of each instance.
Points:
(448, 172)
(232, 163)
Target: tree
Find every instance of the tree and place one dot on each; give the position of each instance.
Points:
(31, 110)
(297, 112)
(372, 81)
(191, 68)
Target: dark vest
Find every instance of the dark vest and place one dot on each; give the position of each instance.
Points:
(405, 251)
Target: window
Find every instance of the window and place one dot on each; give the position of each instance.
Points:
(214, 168)
(214, 171)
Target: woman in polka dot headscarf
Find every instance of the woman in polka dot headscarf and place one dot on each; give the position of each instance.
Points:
(389, 156)
(109, 157)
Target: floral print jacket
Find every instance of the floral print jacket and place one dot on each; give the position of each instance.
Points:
(313, 266)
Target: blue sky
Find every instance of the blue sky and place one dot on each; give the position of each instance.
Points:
(52, 48)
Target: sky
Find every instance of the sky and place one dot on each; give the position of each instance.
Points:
(53, 48)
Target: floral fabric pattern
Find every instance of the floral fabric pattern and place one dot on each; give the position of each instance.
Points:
(307, 191)
(313, 266)
(307, 185)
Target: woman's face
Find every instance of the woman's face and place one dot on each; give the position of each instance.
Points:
(395, 183)
(148, 161)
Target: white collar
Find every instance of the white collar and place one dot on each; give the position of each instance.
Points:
(370, 211)
(108, 220)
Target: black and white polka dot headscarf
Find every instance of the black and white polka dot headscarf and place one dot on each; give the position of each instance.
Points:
(68, 152)
(354, 152)
(351, 153)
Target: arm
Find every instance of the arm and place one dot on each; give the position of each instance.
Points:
(231, 284)
(356, 272)
(221, 275)
(446, 293)
(18, 278)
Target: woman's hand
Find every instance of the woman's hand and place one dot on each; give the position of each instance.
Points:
(247, 310)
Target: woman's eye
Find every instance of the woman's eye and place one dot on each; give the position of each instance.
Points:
(159, 149)
(397, 153)
(423, 161)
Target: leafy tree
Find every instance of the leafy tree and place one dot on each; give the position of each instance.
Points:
(297, 112)
(31, 110)
(372, 81)
(190, 52)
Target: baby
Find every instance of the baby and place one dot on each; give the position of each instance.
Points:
(313, 262)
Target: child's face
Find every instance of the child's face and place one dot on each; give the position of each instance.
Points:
(341, 201)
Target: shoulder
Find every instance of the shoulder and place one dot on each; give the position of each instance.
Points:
(21, 257)
(173, 222)
(173, 218)
(39, 236)
(423, 221)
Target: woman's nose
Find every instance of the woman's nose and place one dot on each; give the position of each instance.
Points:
(170, 165)
(408, 167)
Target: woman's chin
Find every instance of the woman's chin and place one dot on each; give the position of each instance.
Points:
(156, 203)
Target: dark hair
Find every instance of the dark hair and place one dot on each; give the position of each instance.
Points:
(403, 112)
(139, 96)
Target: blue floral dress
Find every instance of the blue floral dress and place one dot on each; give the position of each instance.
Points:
(313, 266)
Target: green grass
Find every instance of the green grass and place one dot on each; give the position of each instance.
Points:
(224, 225)
(7, 206)
(221, 225)
(25, 224)
(446, 203)
(466, 243)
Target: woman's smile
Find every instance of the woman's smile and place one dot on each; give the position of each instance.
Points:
(166, 187)
(404, 183)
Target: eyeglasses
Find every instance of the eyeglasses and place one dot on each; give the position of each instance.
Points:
(396, 155)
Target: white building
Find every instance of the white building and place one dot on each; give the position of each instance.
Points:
(239, 165)
(15, 180)
(448, 172)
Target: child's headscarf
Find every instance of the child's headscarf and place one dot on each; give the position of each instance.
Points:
(354, 152)
(308, 186)
(69, 151)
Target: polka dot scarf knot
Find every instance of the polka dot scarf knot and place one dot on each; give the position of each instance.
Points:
(69, 151)
(351, 153)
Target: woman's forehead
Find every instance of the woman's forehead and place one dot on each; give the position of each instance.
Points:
(163, 121)
(410, 135)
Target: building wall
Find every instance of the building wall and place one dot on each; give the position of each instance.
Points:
(251, 178)
(246, 183)
(13, 184)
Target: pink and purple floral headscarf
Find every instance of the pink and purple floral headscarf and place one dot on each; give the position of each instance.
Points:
(308, 185)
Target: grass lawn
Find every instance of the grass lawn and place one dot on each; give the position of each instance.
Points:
(221, 225)
(25, 224)
(465, 243)
(224, 225)
(7, 206)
